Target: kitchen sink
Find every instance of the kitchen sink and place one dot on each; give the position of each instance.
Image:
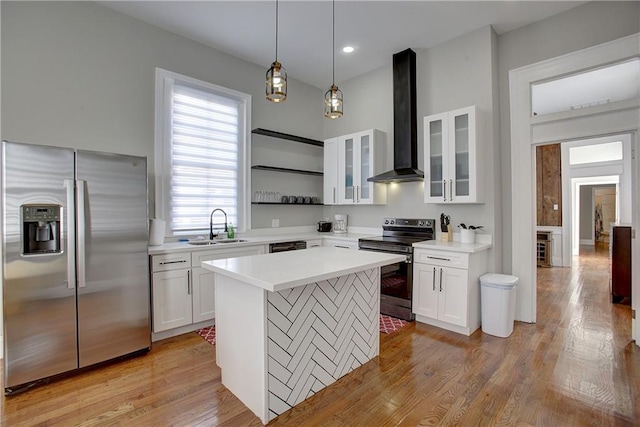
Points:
(214, 242)
(202, 242)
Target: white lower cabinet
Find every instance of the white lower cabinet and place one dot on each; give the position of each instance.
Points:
(446, 289)
(203, 298)
(183, 293)
(171, 299)
(171, 291)
(339, 243)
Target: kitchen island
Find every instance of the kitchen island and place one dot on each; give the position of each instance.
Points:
(289, 324)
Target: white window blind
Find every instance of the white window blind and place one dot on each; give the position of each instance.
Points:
(200, 154)
(204, 158)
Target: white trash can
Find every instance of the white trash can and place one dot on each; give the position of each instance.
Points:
(498, 303)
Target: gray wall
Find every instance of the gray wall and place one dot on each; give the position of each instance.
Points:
(77, 74)
(586, 212)
(455, 74)
(578, 28)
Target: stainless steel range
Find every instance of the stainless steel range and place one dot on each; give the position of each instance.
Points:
(398, 236)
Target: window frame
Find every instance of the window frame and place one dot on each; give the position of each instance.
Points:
(164, 81)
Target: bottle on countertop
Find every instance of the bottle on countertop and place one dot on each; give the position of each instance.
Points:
(231, 233)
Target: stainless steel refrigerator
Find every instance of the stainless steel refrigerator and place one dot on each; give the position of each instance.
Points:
(75, 265)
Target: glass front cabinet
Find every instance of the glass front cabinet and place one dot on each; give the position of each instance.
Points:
(360, 156)
(450, 162)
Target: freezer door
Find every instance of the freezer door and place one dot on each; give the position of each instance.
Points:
(39, 289)
(113, 273)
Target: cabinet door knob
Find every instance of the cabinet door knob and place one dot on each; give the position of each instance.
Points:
(434, 278)
(440, 280)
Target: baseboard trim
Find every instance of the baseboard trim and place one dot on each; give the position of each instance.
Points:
(157, 336)
(588, 242)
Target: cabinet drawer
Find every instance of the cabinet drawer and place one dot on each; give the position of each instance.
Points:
(337, 243)
(200, 256)
(314, 243)
(170, 261)
(441, 258)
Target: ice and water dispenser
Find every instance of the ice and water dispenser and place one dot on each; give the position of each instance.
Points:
(41, 229)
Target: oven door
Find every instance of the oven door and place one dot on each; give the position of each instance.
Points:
(396, 287)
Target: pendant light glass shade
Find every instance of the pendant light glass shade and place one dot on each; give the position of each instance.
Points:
(333, 103)
(276, 89)
(333, 97)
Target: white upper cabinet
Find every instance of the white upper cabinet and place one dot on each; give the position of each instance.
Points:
(450, 157)
(330, 172)
(359, 156)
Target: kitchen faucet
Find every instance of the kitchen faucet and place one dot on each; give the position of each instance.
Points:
(211, 236)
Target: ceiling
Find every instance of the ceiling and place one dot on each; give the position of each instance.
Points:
(377, 29)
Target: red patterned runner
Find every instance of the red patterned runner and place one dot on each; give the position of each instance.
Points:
(389, 325)
(208, 333)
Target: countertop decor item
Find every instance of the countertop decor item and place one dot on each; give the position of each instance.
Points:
(445, 227)
(468, 233)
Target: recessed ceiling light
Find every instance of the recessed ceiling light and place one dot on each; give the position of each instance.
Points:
(347, 49)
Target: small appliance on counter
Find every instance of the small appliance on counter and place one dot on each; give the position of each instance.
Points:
(324, 226)
(340, 223)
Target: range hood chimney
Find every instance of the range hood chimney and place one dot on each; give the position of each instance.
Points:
(405, 127)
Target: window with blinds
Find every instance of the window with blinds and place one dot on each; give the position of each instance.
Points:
(203, 146)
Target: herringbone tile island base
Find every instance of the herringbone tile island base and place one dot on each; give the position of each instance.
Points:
(388, 325)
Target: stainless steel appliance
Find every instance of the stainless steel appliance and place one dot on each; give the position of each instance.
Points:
(75, 264)
(324, 226)
(396, 281)
(340, 223)
(287, 246)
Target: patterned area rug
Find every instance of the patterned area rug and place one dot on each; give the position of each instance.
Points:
(208, 334)
(388, 325)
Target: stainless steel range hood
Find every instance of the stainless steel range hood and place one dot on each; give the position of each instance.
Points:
(405, 128)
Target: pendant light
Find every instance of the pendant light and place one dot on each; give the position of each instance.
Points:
(276, 89)
(333, 97)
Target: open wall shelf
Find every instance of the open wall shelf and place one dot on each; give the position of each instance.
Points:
(287, 204)
(274, 134)
(287, 170)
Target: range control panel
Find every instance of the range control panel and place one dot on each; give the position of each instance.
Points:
(405, 222)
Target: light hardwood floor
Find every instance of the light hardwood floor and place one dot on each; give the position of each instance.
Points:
(576, 367)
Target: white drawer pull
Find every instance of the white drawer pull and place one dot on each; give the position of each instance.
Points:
(441, 259)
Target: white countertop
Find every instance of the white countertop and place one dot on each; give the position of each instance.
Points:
(454, 246)
(176, 247)
(284, 270)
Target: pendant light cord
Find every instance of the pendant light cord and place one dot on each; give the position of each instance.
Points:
(333, 45)
(276, 30)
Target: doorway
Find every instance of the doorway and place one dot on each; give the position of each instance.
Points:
(528, 130)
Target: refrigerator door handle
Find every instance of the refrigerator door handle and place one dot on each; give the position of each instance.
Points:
(81, 234)
(71, 233)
